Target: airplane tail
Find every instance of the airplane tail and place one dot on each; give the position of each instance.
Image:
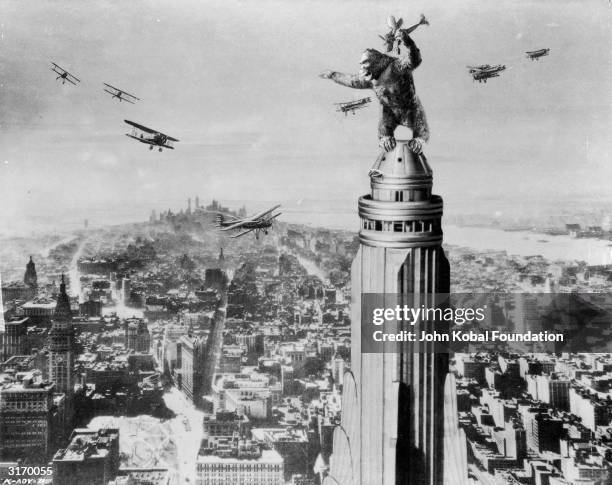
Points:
(423, 20)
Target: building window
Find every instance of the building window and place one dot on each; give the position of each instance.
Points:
(398, 226)
(399, 196)
(378, 225)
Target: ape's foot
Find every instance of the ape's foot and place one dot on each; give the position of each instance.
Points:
(416, 145)
(387, 143)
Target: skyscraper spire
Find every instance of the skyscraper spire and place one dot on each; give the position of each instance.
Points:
(30, 278)
(62, 308)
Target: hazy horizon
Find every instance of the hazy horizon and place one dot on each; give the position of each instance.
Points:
(237, 83)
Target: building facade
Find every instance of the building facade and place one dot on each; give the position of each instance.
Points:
(239, 463)
(27, 415)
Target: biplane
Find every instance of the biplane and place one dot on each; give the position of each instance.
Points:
(535, 55)
(352, 106)
(485, 71)
(391, 37)
(259, 223)
(120, 94)
(64, 75)
(157, 139)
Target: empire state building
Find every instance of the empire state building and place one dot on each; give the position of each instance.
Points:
(397, 424)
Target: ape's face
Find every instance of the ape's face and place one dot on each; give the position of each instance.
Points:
(372, 64)
(365, 69)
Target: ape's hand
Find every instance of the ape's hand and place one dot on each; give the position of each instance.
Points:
(416, 145)
(387, 143)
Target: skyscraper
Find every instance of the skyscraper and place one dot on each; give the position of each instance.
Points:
(61, 350)
(392, 428)
(30, 278)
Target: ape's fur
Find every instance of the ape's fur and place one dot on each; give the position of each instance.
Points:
(391, 79)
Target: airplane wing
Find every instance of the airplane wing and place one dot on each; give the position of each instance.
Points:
(236, 225)
(168, 146)
(170, 138)
(242, 233)
(71, 81)
(141, 140)
(122, 99)
(73, 77)
(229, 217)
(117, 91)
(130, 95)
(274, 216)
(143, 128)
(538, 53)
(264, 213)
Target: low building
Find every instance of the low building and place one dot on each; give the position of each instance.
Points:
(239, 463)
(91, 458)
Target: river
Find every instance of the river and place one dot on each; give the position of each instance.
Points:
(522, 243)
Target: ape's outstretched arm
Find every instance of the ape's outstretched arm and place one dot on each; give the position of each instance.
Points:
(348, 80)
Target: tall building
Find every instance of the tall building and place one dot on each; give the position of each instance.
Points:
(393, 411)
(62, 349)
(214, 343)
(126, 289)
(193, 358)
(137, 336)
(27, 415)
(30, 278)
(15, 337)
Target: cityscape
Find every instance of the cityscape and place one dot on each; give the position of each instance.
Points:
(161, 353)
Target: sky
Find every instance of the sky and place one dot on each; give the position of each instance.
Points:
(236, 82)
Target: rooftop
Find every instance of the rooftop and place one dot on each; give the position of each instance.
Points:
(87, 444)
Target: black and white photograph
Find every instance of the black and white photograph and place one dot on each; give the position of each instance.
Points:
(306, 242)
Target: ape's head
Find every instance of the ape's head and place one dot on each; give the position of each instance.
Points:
(373, 63)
